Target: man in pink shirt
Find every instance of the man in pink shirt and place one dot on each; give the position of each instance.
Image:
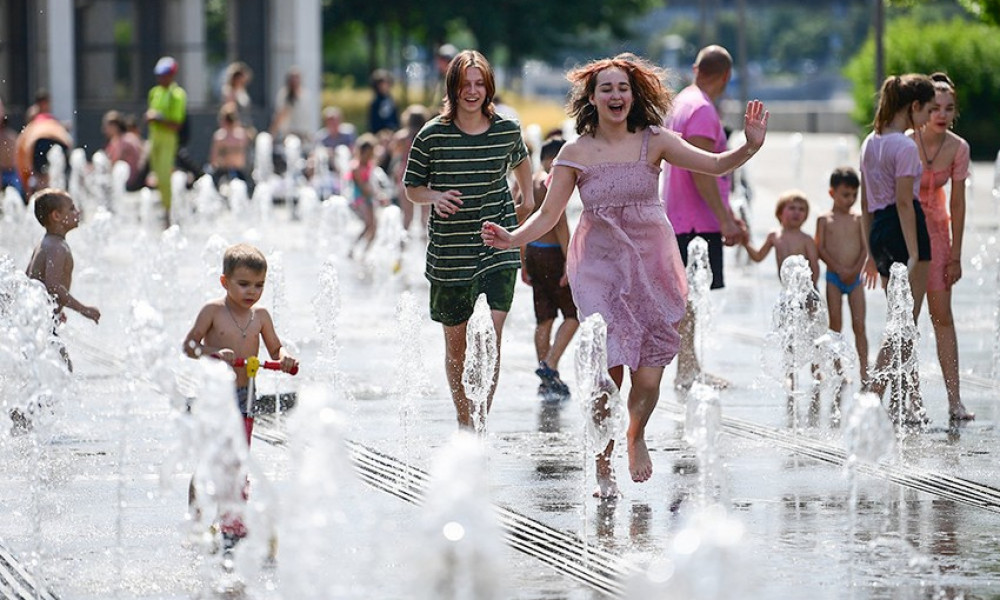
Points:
(697, 204)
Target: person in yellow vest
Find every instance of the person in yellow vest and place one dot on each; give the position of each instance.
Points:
(165, 115)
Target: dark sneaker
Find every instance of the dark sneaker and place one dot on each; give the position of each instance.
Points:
(553, 386)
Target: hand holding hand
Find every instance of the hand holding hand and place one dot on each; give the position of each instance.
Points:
(733, 234)
(495, 236)
(755, 124)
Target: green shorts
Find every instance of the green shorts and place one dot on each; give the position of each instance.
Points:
(453, 304)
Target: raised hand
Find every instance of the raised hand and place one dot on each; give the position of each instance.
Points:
(755, 123)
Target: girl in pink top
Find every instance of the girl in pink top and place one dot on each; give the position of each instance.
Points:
(945, 157)
(893, 217)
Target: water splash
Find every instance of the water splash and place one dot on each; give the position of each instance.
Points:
(411, 381)
(901, 373)
(706, 560)
(326, 305)
(699, 276)
(702, 428)
(57, 167)
(319, 508)
(481, 357)
(462, 541)
(34, 389)
(798, 320)
(604, 415)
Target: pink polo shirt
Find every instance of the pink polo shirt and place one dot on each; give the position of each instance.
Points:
(693, 115)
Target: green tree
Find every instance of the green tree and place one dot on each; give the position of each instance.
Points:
(968, 52)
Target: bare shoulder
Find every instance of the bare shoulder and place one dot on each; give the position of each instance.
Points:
(578, 151)
(261, 314)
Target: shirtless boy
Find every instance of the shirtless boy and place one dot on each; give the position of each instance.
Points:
(52, 264)
(790, 240)
(52, 261)
(840, 239)
(231, 327)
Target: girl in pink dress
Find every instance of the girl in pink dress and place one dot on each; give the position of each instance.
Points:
(623, 260)
(945, 156)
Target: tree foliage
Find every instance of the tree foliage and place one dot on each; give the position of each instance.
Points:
(507, 31)
(968, 52)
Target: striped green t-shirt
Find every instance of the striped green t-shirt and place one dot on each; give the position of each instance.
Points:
(443, 157)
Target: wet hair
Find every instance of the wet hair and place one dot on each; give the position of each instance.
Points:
(551, 148)
(651, 100)
(243, 255)
(900, 92)
(47, 200)
(789, 197)
(844, 176)
(463, 61)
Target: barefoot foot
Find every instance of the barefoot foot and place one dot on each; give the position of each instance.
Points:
(607, 487)
(959, 413)
(640, 466)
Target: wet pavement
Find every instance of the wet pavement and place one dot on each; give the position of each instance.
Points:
(96, 508)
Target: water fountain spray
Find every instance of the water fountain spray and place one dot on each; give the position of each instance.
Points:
(901, 374)
(481, 358)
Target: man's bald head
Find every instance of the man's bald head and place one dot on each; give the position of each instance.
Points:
(713, 61)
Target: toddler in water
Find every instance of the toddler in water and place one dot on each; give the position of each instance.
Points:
(230, 328)
(792, 211)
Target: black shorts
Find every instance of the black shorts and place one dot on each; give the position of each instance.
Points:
(453, 304)
(886, 239)
(714, 240)
(545, 266)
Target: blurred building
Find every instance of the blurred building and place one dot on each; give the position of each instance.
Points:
(94, 55)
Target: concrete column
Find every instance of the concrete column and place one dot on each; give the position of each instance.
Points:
(61, 60)
(184, 30)
(309, 51)
(296, 31)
